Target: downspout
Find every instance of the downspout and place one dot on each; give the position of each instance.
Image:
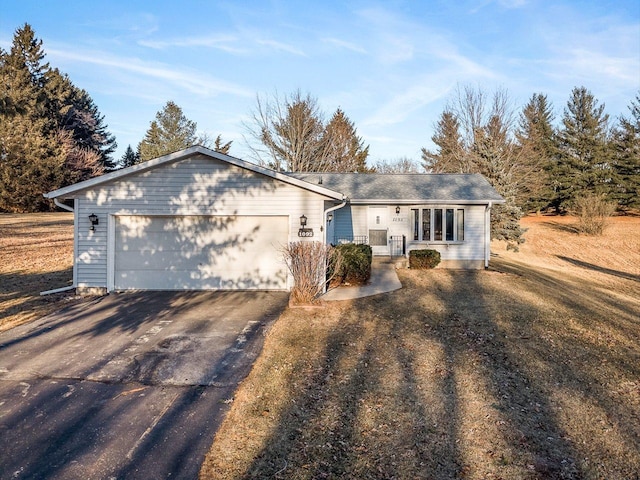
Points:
(324, 219)
(70, 287)
(487, 236)
(329, 210)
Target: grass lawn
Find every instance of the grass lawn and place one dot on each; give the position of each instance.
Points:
(528, 370)
(36, 254)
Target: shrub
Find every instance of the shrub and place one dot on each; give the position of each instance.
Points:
(424, 258)
(308, 262)
(593, 212)
(355, 263)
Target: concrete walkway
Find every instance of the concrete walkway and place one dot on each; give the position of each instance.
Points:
(383, 279)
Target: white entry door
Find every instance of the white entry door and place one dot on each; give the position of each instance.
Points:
(379, 230)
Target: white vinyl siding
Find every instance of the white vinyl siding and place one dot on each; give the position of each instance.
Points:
(198, 185)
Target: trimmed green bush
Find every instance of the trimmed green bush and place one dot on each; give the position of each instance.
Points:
(424, 258)
(355, 263)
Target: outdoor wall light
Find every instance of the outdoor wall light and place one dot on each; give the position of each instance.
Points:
(329, 217)
(398, 210)
(303, 221)
(93, 218)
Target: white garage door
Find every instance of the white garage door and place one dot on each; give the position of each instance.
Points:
(200, 253)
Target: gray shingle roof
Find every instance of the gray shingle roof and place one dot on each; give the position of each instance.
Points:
(406, 188)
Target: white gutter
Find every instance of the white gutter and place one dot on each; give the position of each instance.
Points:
(70, 287)
(337, 207)
(62, 205)
(329, 210)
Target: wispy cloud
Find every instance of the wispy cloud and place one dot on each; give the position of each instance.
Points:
(189, 80)
(508, 4)
(345, 45)
(401, 106)
(284, 47)
(219, 42)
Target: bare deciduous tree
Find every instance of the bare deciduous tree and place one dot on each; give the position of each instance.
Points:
(401, 165)
(290, 134)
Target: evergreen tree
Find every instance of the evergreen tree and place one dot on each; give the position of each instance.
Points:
(347, 152)
(74, 111)
(129, 158)
(51, 133)
(474, 135)
(536, 139)
(170, 132)
(583, 162)
(626, 161)
(450, 155)
(31, 160)
(220, 146)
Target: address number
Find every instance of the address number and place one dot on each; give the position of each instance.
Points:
(305, 232)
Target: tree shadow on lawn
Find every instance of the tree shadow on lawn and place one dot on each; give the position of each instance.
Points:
(597, 268)
(459, 375)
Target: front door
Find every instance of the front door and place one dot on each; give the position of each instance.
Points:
(379, 230)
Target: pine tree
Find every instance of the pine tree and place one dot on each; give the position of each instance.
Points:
(74, 111)
(31, 160)
(170, 132)
(626, 161)
(129, 158)
(475, 136)
(51, 133)
(220, 146)
(450, 154)
(347, 152)
(583, 162)
(536, 138)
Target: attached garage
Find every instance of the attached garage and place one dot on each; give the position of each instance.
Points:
(192, 220)
(200, 252)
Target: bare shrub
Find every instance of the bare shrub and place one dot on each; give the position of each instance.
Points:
(593, 212)
(308, 262)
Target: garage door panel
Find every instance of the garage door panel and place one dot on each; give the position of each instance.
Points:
(200, 253)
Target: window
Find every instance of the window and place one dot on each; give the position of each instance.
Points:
(416, 222)
(449, 224)
(460, 219)
(426, 223)
(438, 224)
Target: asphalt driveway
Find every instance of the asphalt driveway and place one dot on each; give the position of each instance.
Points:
(126, 386)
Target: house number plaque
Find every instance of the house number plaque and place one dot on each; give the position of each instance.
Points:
(305, 232)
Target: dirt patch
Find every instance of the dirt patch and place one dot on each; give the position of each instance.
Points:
(36, 254)
(528, 370)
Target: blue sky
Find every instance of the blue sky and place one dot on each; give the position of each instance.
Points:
(391, 66)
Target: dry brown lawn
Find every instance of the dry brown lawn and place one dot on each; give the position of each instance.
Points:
(530, 369)
(36, 254)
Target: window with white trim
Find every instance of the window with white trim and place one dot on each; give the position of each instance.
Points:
(440, 224)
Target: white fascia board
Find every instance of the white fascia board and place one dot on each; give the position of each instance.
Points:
(181, 155)
(423, 201)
